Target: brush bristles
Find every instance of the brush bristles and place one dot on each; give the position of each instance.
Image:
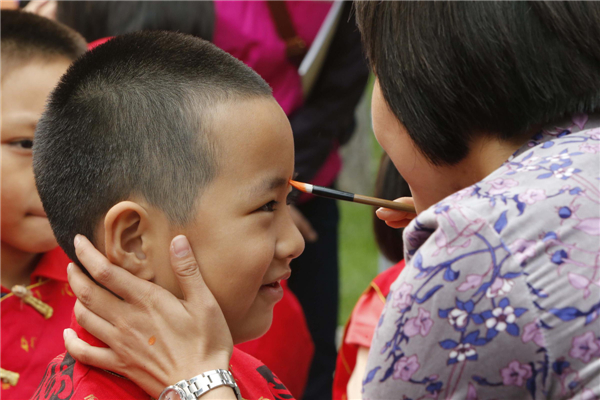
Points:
(303, 187)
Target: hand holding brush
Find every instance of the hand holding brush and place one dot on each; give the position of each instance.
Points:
(397, 214)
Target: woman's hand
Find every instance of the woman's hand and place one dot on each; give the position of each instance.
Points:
(155, 339)
(395, 218)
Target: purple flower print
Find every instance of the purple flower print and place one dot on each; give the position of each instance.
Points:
(530, 164)
(564, 173)
(473, 281)
(415, 238)
(421, 324)
(515, 374)
(587, 394)
(580, 282)
(402, 298)
(462, 352)
(461, 194)
(500, 287)
(559, 158)
(585, 347)
(532, 331)
(405, 368)
(502, 319)
(472, 392)
(591, 226)
(531, 196)
(500, 185)
(589, 147)
(522, 250)
(458, 318)
(595, 133)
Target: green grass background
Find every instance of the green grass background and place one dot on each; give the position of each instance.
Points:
(358, 254)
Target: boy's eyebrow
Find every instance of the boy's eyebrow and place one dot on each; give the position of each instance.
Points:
(269, 185)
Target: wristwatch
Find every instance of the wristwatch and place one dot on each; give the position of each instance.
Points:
(193, 388)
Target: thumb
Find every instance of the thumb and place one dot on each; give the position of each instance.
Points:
(186, 269)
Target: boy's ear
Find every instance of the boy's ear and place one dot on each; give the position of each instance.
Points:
(127, 237)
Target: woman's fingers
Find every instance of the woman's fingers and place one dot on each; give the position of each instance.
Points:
(398, 224)
(187, 271)
(99, 357)
(94, 324)
(97, 299)
(395, 218)
(114, 278)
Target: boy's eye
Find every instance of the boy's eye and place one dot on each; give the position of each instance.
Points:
(22, 144)
(269, 207)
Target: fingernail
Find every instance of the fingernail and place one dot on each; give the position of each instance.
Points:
(181, 246)
(69, 267)
(77, 240)
(68, 333)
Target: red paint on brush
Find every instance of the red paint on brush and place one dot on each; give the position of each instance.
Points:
(299, 185)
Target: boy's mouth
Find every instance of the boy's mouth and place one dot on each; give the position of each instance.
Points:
(276, 284)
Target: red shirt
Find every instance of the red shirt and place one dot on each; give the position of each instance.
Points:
(287, 348)
(29, 341)
(68, 379)
(361, 327)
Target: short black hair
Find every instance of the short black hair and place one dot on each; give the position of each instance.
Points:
(25, 36)
(132, 117)
(450, 70)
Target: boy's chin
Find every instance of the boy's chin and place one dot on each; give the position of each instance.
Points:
(252, 331)
(32, 241)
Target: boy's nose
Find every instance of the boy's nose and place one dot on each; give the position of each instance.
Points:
(291, 243)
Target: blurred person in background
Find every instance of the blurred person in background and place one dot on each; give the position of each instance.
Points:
(36, 298)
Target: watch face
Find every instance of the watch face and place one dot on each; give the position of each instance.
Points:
(170, 394)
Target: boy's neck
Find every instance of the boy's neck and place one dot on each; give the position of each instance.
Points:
(17, 266)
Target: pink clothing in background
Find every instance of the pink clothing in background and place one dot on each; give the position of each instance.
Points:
(246, 30)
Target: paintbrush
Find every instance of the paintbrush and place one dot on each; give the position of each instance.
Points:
(346, 196)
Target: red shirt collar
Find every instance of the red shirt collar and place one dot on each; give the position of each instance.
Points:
(52, 265)
(85, 335)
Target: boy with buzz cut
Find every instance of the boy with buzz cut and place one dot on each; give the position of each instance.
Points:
(155, 134)
(36, 299)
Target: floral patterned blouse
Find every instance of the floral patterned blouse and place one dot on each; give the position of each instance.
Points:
(500, 296)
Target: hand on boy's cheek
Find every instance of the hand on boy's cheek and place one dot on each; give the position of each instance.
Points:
(154, 338)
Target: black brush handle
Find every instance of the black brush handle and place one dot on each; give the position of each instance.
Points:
(332, 193)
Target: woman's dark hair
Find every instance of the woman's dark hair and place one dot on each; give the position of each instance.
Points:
(389, 185)
(100, 19)
(449, 70)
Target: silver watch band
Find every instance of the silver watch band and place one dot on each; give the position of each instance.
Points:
(192, 389)
(201, 384)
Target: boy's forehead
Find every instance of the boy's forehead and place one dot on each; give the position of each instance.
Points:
(267, 185)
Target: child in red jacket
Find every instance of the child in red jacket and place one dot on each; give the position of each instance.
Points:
(152, 135)
(36, 300)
